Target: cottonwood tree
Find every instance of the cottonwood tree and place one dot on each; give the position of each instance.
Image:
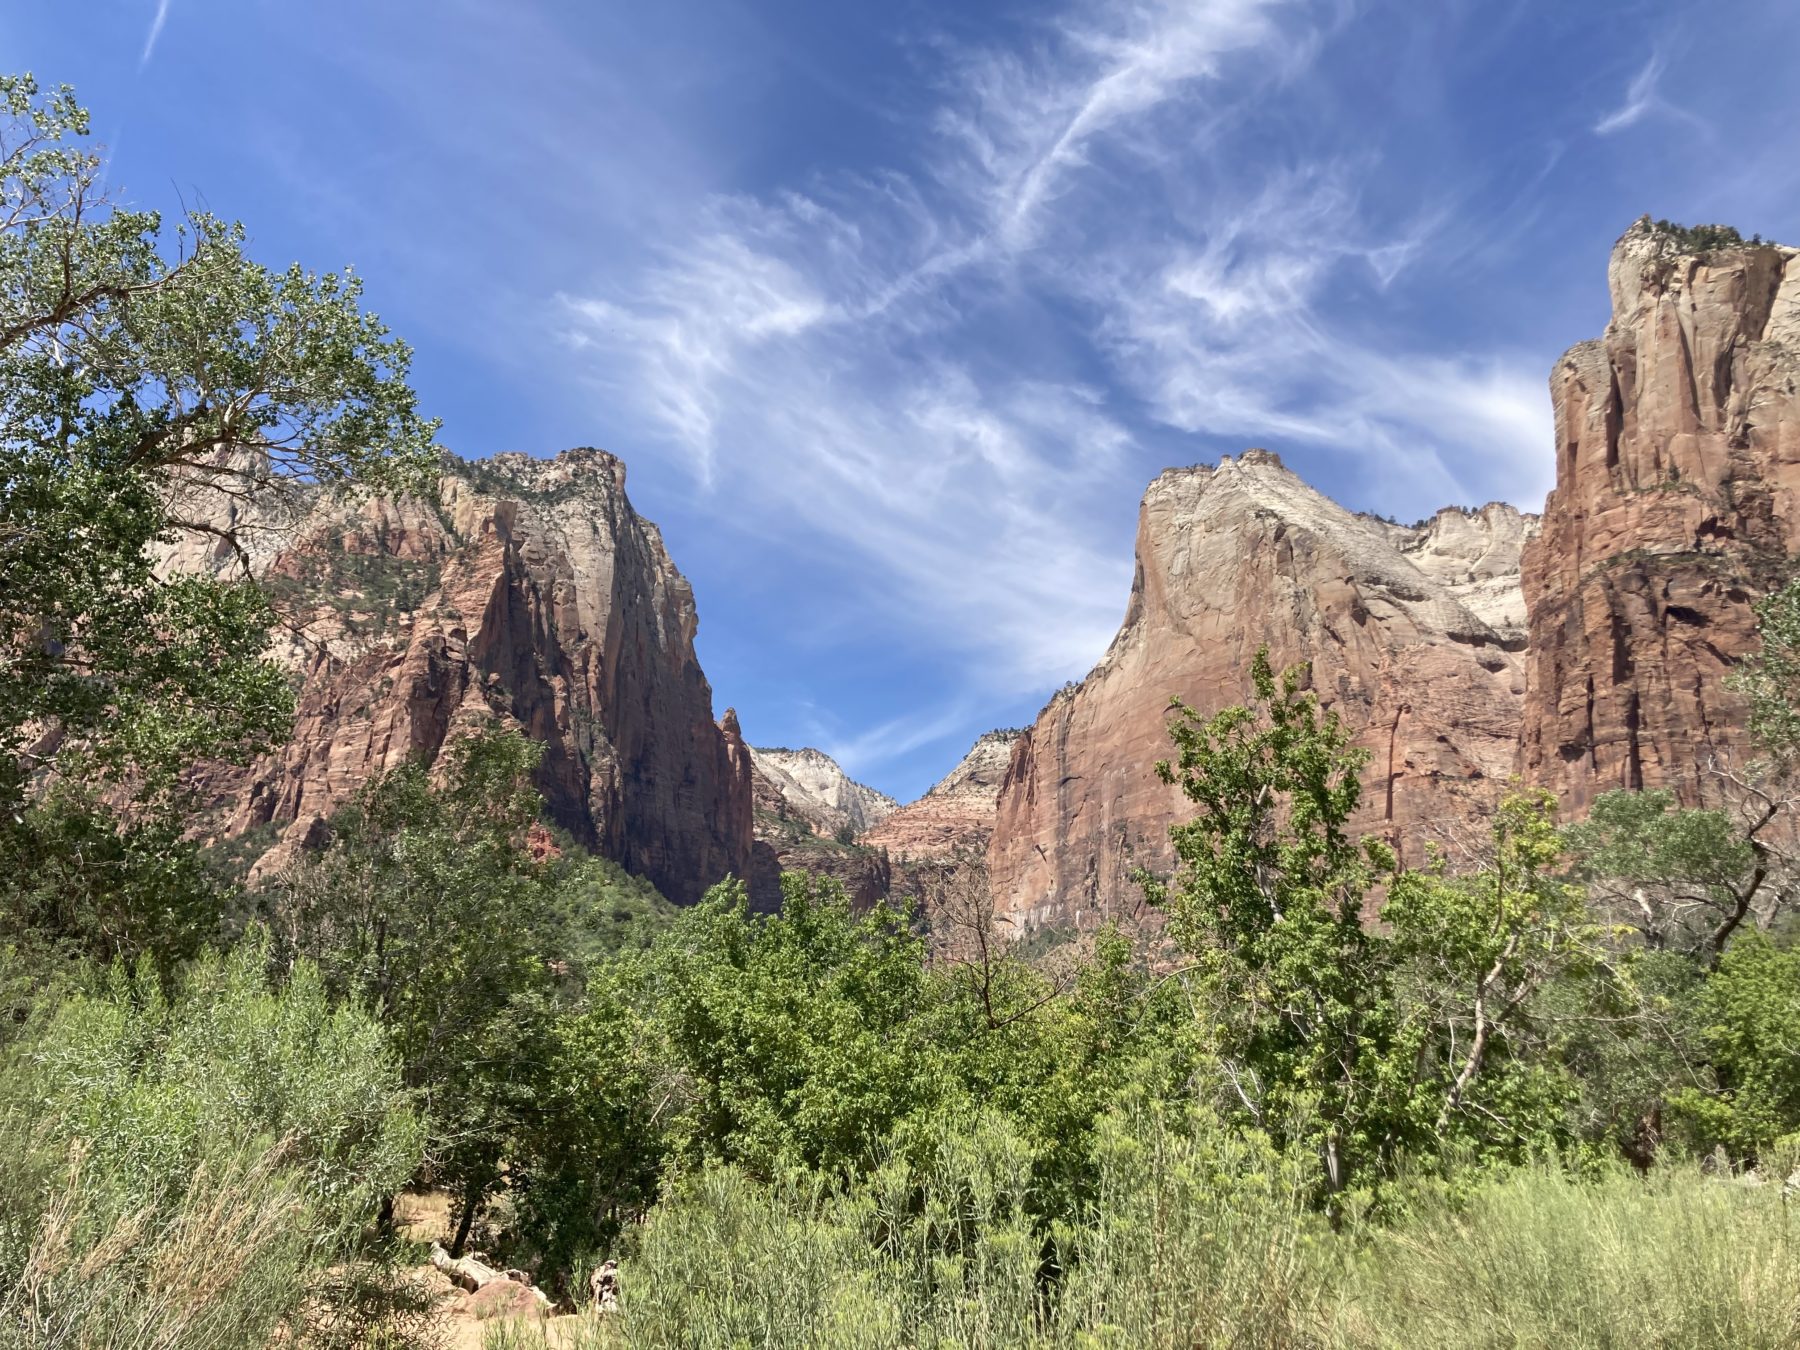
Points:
(141, 368)
(1269, 898)
(1688, 881)
(1357, 1042)
(1478, 949)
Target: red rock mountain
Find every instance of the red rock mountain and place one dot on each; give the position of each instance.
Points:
(1414, 638)
(810, 816)
(1585, 653)
(527, 593)
(1677, 504)
(957, 815)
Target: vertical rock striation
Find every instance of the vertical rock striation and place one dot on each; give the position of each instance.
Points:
(1414, 637)
(528, 593)
(1677, 469)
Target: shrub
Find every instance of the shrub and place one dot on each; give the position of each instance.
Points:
(182, 1168)
(1198, 1238)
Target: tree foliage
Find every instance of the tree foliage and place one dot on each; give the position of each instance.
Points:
(1361, 1043)
(426, 909)
(1270, 898)
(145, 372)
(1770, 678)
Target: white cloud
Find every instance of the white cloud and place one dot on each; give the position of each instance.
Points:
(1640, 98)
(156, 27)
(1233, 338)
(1026, 126)
(862, 364)
(1643, 96)
(895, 737)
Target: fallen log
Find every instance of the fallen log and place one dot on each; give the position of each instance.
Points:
(466, 1272)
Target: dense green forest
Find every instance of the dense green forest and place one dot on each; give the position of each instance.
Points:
(1546, 1092)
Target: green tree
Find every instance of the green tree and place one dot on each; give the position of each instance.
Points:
(1769, 679)
(801, 1035)
(1355, 1043)
(426, 908)
(1270, 897)
(1478, 950)
(1687, 880)
(1748, 1020)
(146, 377)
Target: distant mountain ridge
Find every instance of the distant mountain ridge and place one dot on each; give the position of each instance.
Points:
(817, 788)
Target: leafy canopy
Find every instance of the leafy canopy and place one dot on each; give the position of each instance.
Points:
(152, 381)
(1360, 1044)
(148, 379)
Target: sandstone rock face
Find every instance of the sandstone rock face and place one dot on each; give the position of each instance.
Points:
(802, 800)
(957, 814)
(530, 594)
(1676, 507)
(815, 788)
(1414, 637)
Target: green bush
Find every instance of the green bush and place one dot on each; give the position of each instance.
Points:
(153, 1086)
(1748, 1018)
(183, 1167)
(1199, 1237)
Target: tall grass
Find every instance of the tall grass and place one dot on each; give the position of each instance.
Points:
(196, 1167)
(1200, 1239)
(223, 1269)
(1540, 1259)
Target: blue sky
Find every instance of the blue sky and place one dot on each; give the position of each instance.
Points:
(893, 310)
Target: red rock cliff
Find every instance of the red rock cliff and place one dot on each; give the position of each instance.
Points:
(531, 593)
(1677, 469)
(1413, 636)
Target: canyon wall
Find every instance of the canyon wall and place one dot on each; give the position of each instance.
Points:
(809, 817)
(1583, 653)
(814, 787)
(1414, 638)
(527, 593)
(956, 816)
(1677, 469)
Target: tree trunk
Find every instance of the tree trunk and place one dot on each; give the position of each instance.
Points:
(471, 1201)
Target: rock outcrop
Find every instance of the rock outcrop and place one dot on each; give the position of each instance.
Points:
(1676, 507)
(1583, 654)
(805, 806)
(1414, 637)
(815, 788)
(956, 817)
(526, 593)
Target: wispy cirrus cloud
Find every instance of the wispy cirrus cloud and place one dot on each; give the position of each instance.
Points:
(941, 368)
(157, 21)
(1644, 98)
(1232, 337)
(1026, 123)
(1640, 99)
